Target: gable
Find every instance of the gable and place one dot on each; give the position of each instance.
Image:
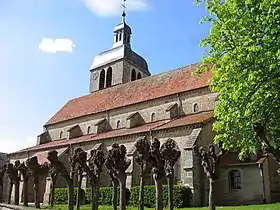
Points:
(148, 88)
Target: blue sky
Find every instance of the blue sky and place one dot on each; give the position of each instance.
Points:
(38, 78)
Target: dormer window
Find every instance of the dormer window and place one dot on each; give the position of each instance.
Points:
(195, 108)
(88, 129)
(61, 135)
(153, 116)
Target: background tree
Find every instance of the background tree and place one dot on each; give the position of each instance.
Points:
(117, 163)
(13, 174)
(24, 172)
(143, 158)
(158, 171)
(36, 170)
(3, 170)
(61, 170)
(210, 163)
(243, 51)
(171, 154)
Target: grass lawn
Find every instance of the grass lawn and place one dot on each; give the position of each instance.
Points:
(275, 206)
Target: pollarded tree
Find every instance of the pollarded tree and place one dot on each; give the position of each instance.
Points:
(210, 163)
(36, 171)
(13, 174)
(115, 181)
(143, 158)
(53, 176)
(171, 154)
(243, 52)
(158, 171)
(25, 173)
(3, 170)
(93, 170)
(117, 163)
(61, 170)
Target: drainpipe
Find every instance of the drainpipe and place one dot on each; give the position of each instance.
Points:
(263, 184)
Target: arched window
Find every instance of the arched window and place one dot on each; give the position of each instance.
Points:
(118, 124)
(116, 37)
(102, 79)
(139, 76)
(61, 135)
(153, 116)
(120, 36)
(133, 75)
(109, 77)
(234, 179)
(88, 129)
(195, 107)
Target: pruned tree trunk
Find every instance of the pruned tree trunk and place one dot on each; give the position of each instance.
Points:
(114, 194)
(92, 196)
(170, 192)
(78, 201)
(51, 202)
(141, 194)
(17, 192)
(10, 192)
(159, 194)
(70, 193)
(36, 195)
(25, 192)
(1, 191)
(122, 193)
(211, 197)
(97, 186)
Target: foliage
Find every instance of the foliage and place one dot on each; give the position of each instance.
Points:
(243, 52)
(61, 195)
(181, 197)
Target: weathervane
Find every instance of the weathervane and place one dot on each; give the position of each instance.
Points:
(124, 7)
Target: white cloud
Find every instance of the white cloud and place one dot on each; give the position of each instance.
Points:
(114, 7)
(49, 45)
(12, 145)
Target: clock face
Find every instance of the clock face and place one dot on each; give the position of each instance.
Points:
(95, 75)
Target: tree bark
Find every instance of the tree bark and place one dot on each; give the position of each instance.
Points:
(36, 192)
(17, 192)
(122, 193)
(114, 194)
(25, 192)
(159, 194)
(78, 201)
(52, 192)
(70, 193)
(10, 192)
(1, 191)
(211, 197)
(97, 186)
(141, 194)
(170, 192)
(93, 191)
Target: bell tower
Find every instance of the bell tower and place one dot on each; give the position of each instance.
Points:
(120, 64)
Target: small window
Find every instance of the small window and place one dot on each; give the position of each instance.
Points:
(61, 135)
(128, 39)
(116, 37)
(153, 116)
(139, 76)
(234, 179)
(102, 79)
(88, 129)
(120, 36)
(118, 124)
(133, 75)
(109, 77)
(195, 107)
(124, 36)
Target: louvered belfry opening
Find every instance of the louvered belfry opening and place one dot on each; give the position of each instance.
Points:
(109, 77)
(133, 75)
(102, 79)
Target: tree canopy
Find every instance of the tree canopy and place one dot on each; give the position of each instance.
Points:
(243, 51)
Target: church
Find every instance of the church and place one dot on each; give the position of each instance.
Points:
(126, 102)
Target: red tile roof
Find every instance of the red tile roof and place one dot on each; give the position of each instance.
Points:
(148, 88)
(201, 117)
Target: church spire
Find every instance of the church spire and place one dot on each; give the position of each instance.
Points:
(122, 32)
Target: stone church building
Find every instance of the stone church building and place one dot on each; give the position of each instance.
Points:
(126, 102)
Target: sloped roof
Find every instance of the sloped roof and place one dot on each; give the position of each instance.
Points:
(145, 89)
(196, 118)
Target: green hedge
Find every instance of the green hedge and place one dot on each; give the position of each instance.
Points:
(181, 196)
